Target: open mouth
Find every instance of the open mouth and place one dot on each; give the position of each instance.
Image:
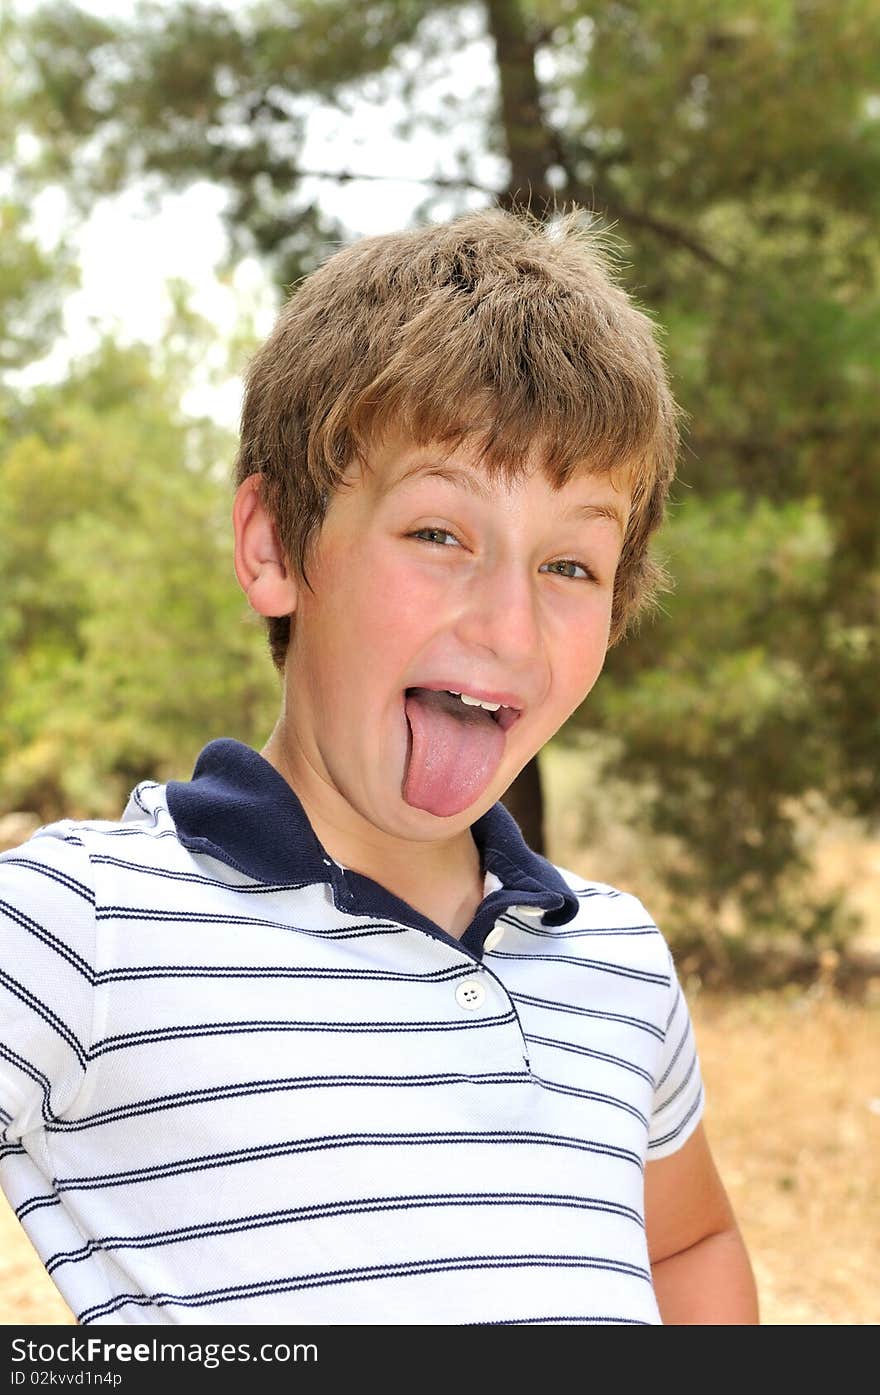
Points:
(466, 709)
(455, 748)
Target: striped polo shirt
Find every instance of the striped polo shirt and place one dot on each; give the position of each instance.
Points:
(240, 1083)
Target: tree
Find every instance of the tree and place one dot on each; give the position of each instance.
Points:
(736, 148)
(125, 636)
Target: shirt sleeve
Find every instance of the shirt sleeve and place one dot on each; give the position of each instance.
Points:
(678, 1089)
(47, 979)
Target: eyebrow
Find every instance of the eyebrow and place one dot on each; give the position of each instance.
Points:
(453, 474)
(607, 511)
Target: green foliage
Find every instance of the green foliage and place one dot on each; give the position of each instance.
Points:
(125, 641)
(734, 148)
(191, 91)
(740, 146)
(31, 287)
(737, 100)
(720, 728)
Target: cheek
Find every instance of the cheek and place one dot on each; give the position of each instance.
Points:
(374, 601)
(581, 663)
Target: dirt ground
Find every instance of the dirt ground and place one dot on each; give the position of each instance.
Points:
(793, 1112)
(793, 1090)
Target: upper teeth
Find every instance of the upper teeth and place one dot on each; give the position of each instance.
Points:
(475, 702)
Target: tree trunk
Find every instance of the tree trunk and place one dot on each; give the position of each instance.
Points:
(531, 150)
(529, 142)
(525, 801)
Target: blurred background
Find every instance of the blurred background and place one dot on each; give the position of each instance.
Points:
(169, 170)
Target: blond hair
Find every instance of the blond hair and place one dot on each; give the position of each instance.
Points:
(494, 324)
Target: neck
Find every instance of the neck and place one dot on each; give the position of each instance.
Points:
(441, 879)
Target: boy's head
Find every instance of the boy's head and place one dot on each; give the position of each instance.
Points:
(493, 323)
(456, 444)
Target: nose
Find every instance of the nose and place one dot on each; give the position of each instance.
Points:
(500, 614)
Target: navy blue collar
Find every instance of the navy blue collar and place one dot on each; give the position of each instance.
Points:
(238, 808)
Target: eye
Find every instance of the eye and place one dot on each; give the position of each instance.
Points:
(434, 535)
(586, 574)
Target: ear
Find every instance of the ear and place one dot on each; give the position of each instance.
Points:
(260, 564)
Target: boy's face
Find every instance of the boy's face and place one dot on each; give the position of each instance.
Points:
(425, 578)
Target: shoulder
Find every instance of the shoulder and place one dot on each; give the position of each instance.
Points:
(62, 856)
(601, 893)
(606, 961)
(615, 917)
(52, 862)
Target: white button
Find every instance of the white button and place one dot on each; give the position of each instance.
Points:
(531, 910)
(494, 937)
(470, 994)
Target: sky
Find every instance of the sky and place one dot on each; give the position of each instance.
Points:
(127, 254)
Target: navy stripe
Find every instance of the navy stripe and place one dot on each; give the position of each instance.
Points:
(558, 1321)
(675, 1055)
(641, 930)
(36, 1203)
(579, 934)
(355, 1206)
(258, 888)
(24, 995)
(275, 971)
(595, 1055)
(401, 1269)
(641, 975)
(588, 891)
(177, 917)
(674, 1009)
(136, 798)
(211, 1094)
(555, 1006)
(673, 1133)
(320, 1143)
(346, 932)
(54, 873)
(28, 1068)
(138, 831)
(658, 1108)
(150, 1036)
(40, 932)
(597, 1096)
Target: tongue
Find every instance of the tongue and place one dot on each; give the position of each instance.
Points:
(455, 752)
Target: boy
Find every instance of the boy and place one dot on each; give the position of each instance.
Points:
(315, 1037)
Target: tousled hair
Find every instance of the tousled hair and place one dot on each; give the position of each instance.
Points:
(493, 326)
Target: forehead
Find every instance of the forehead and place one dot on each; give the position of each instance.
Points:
(398, 465)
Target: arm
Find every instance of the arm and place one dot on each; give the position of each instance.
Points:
(700, 1266)
(47, 980)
